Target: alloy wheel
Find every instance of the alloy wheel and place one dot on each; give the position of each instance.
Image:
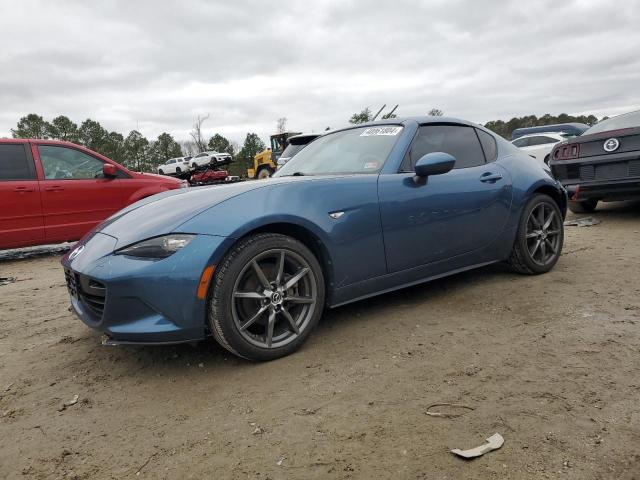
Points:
(543, 234)
(274, 298)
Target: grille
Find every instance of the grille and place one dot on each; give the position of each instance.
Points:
(611, 171)
(587, 172)
(90, 292)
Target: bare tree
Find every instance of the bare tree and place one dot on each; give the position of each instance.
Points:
(188, 148)
(435, 112)
(282, 125)
(196, 134)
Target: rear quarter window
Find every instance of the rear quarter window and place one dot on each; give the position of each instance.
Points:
(489, 145)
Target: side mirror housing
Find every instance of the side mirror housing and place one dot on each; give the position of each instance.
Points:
(435, 163)
(109, 170)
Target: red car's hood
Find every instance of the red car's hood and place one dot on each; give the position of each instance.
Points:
(156, 178)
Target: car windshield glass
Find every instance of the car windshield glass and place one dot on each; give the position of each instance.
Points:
(291, 150)
(627, 120)
(357, 150)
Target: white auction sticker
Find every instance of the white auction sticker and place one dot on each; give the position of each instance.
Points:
(373, 131)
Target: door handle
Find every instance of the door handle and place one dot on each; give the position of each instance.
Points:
(490, 177)
(24, 189)
(54, 188)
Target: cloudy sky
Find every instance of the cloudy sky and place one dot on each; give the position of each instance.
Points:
(156, 65)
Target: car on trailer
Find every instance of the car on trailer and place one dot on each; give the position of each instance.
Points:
(174, 166)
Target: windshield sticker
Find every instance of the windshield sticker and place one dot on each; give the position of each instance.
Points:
(371, 165)
(374, 131)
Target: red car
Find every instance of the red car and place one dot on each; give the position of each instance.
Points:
(52, 191)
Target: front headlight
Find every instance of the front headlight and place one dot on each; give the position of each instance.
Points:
(158, 247)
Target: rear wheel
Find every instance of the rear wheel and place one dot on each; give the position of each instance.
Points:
(194, 165)
(267, 297)
(585, 206)
(540, 237)
(178, 170)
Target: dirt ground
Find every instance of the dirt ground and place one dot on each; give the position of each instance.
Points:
(550, 362)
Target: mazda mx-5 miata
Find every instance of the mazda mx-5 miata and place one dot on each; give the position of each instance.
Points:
(359, 212)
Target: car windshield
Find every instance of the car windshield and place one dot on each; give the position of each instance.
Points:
(357, 150)
(627, 120)
(291, 150)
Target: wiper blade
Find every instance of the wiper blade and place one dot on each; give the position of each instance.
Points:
(297, 174)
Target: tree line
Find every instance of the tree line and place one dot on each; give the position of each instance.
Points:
(500, 127)
(135, 151)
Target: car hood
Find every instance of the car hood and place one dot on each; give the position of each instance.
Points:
(156, 178)
(164, 212)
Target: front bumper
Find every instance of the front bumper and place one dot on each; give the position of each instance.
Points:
(131, 300)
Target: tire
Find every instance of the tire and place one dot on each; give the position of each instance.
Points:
(263, 173)
(194, 165)
(585, 206)
(537, 248)
(241, 307)
(161, 172)
(178, 170)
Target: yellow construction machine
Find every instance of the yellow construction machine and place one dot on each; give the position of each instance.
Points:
(264, 163)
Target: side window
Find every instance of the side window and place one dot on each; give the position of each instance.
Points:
(459, 141)
(548, 140)
(489, 145)
(16, 163)
(521, 142)
(62, 163)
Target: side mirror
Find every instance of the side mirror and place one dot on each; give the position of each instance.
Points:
(435, 163)
(109, 170)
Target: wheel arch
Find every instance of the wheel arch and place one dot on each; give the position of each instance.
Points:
(558, 196)
(308, 238)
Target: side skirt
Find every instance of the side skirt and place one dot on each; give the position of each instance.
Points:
(378, 286)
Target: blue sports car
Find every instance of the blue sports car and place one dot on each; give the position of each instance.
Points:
(359, 212)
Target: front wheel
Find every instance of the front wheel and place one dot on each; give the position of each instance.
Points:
(161, 172)
(540, 237)
(585, 206)
(267, 296)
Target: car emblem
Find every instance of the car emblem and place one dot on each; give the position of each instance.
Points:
(76, 252)
(611, 145)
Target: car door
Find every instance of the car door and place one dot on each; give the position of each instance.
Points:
(447, 215)
(21, 221)
(75, 194)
